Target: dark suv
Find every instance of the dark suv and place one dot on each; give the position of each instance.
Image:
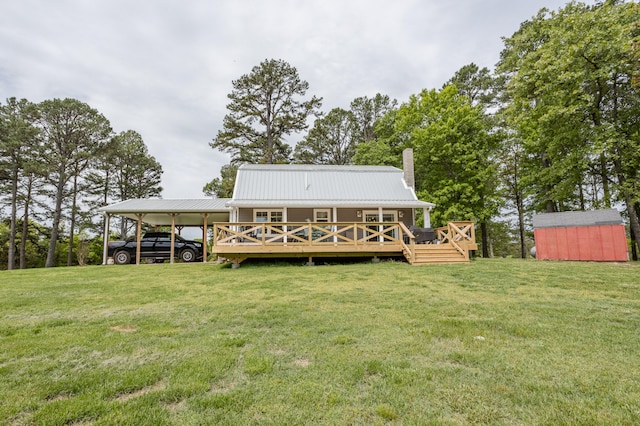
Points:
(155, 247)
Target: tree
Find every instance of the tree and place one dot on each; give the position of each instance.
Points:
(510, 174)
(453, 152)
(335, 138)
(222, 187)
(366, 112)
(17, 149)
(385, 149)
(478, 84)
(483, 90)
(135, 173)
(73, 132)
(331, 140)
(265, 107)
(574, 106)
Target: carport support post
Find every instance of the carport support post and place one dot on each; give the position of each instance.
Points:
(138, 238)
(105, 237)
(204, 238)
(173, 237)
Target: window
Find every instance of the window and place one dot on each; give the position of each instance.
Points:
(267, 215)
(322, 215)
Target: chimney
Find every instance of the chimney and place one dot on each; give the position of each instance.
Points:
(407, 167)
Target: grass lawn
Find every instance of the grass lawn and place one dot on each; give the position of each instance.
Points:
(493, 342)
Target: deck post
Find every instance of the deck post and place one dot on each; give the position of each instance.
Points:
(173, 238)
(138, 238)
(105, 242)
(335, 219)
(204, 238)
(284, 228)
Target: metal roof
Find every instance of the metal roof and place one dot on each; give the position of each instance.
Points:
(157, 211)
(293, 185)
(578, 218)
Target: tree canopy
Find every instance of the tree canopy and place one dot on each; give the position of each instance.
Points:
(61, 156)
(266, 105)
(573, 106)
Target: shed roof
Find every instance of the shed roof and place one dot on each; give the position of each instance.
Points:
(293, 185)
(157, 211)
(578, 218)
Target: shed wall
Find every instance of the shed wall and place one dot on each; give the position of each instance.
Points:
(595, 243)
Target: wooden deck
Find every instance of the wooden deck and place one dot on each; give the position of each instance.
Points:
(240, 241)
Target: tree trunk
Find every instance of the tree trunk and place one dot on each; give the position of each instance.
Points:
(606, 192)
(57, 213)
(11, 257)
(73, 221)
(633, 221)
(485, 236)
(520, 207)
(634, 224)
(634, 251)
(25, 225)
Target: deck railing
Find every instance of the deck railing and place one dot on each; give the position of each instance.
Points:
(245, 239)
(461, 235)
(311, 233)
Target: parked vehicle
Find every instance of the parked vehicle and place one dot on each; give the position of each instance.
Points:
(155, 247)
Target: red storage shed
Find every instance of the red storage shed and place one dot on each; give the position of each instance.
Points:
(597, 235)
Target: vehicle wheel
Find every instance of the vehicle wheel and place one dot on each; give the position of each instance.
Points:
(122, 258)
(149, 260)
(188, 255)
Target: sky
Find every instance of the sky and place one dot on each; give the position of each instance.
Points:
(164, 68)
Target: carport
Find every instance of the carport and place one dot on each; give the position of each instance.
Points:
(173, 213)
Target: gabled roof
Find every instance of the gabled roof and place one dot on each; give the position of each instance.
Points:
(579, 218)
(158, 211)
(292, 185)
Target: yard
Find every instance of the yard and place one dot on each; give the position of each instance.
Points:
(492, 342)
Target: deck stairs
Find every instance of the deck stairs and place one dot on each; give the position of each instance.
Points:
(426, 254)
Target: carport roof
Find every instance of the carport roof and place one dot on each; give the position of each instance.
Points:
(157, 211)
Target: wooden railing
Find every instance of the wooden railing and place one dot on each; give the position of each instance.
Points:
(312, 233)
(461, 235)
(255, 238)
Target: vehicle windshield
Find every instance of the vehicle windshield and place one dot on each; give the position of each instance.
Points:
(179, 238)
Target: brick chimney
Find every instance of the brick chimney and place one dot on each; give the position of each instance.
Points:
(407, 167)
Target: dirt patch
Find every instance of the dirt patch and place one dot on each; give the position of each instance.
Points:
(127, 396)
(302, 363)
(223, 387)
(123, 328)
(176, 406)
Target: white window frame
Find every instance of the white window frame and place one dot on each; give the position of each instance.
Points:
(315, 215)
(269, 214)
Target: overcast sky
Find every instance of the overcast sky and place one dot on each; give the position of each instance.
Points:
(164, 68)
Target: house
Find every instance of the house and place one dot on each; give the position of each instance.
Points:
(310, 211)
(319, 193)
(597, 235)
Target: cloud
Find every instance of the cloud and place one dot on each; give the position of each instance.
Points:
(164, 68)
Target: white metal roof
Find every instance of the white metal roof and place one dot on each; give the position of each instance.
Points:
(157, 211)
(291, 185)
(577, 218)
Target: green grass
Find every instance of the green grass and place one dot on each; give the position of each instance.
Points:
(493, 342)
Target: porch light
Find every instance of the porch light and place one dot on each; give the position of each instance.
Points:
(400, 213)
(359, 213)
